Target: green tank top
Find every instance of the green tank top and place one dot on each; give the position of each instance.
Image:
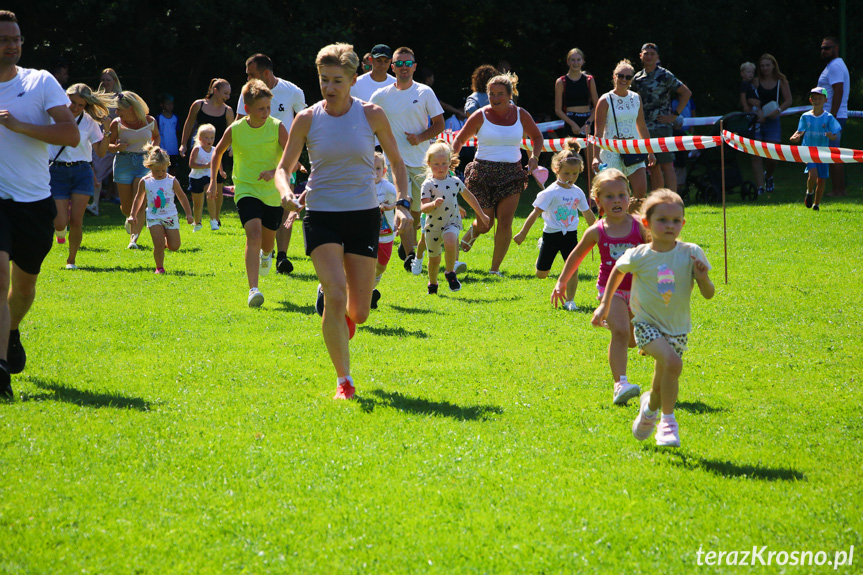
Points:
(256, 150)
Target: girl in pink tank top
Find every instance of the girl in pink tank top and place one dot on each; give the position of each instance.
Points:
(614, 234)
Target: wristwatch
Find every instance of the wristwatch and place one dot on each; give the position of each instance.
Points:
(404, 203)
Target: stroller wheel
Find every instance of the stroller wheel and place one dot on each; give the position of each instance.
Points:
(707, 194)
(748, 191)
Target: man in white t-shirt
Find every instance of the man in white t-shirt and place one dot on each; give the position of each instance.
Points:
(29, 100)
(377, 78)
(409, 105)
(288, 100)
(837, 81)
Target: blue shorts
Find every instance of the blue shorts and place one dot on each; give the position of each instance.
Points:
(823, 170)
(771, 131)
(68, 179)
(128, 166)
(842, 121)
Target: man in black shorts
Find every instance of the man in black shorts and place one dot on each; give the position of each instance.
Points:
(29, 101)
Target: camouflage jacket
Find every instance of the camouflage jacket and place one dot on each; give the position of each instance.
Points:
(656, 89)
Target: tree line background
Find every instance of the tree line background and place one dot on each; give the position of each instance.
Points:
(177, 46)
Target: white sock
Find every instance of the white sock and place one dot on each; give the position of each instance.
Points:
(623, 379)
(649, 412)
(378, 280)
(60, 233)
(668, 417)
(346, 379)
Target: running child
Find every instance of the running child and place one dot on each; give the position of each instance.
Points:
(614, 233)
(439, 196)
(559, 205)
(199, 175)
(168, 131)
(663, 275)
(387, 200)
(257, 139)
(158, 190)
(816, 128)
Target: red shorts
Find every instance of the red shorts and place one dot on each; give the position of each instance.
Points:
(385, 252)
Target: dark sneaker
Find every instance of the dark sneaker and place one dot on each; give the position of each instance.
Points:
(402, 254)
(815, 207)
(809, 200)
(409, 262)
(319, 301)
(376, 296)
(16, 357)
(284, 266)
(5, 383)
(768, 185)
(432, 289)
(452, 280)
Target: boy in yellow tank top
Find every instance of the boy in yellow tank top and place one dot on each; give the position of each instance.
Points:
(258, 140)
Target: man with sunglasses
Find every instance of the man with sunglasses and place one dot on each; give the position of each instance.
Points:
(837, 81)
(657, 86)
(33, 113)
(376, 78)
(408, 106)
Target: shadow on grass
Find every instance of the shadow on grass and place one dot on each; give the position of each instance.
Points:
(92, 249)
(421, 406)
(395, 331)
(138, 269)
(65, 394)
(486, 300)
(412, 310)
(302, 276)
(698, 407)
(731, 470)
(294, 308)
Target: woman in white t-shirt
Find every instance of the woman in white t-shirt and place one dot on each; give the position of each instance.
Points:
(72, 180)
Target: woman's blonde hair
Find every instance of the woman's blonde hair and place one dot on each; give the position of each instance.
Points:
(606, 175)
(97, 104)
(569, 156)
(117, 86)
(338, 54)
(126, 100)
(508, 80)
(155, 156)
(747, 66)
(204, 129)
(441, 148)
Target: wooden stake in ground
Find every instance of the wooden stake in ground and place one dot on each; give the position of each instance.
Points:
(724, 223)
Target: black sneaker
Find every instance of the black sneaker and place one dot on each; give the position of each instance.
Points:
(432, 289)
(452, 280)
(319, 302)
(409, 262)
(816, 208)
(284, 266)
(809, 200)
(402, 254)
(5, 382)
(768, 185)
(16, 357)
(376, 295)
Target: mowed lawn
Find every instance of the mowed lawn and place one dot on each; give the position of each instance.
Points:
(162, 426)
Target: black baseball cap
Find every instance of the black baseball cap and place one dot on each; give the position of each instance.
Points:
(382, 50)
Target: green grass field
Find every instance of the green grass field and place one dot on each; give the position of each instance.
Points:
(162, 426)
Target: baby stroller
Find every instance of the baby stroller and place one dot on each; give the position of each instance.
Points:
(704, 172)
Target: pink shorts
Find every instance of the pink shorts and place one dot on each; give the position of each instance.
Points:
(385, 252)
(621, 293)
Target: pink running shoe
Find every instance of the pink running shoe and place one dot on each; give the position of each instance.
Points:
(643, 426)
(624, 391)
(667, 434)
(160, 271)
(345, 391)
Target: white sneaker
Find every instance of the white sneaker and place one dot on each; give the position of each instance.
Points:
(197, 228)
(624, 391)
(93, 209)
(256, 298)
(214, 225)
(133, 242)
(643, 426)
(417, 267)
(460, 267)
(127, 225)
(71, 267)
(266, 263)
(570, 306)
(667, 434)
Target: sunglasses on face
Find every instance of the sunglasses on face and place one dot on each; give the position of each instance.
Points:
(400, 63)
(626, 77)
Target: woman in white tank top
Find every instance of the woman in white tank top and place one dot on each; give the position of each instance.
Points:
(342, 222)
(496, 176)
(625, 121)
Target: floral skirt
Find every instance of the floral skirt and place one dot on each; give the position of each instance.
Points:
(491, 182)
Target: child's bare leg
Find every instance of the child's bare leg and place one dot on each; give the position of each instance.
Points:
(421, 247)
(253, 250)
(812, 181)
(172, 240)
(434, 268)
(198, 207)
(76, 225)
(268, 240)
(572, 286)
(450, 246)
(618, 324)
(157, 232)
(819, 188)
(218, 203)
(666, 374)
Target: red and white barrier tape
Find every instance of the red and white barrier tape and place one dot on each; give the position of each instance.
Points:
(555, 145)
(797, 154)
(656, 145)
